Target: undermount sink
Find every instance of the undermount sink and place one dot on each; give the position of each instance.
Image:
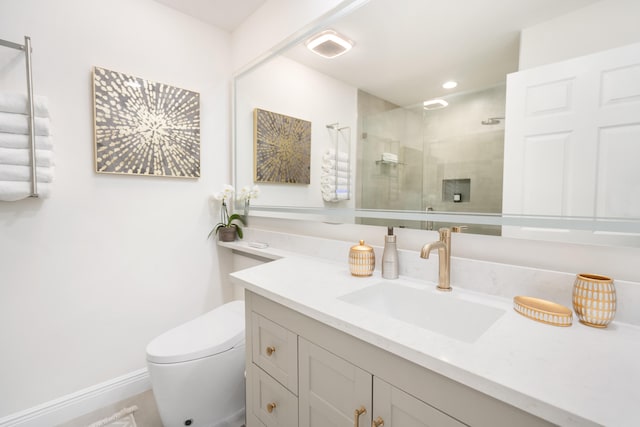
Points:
(439, 312)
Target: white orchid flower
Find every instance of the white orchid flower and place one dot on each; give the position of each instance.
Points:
(255, 192)
(244, 193)
(247, 193)
(224, 195)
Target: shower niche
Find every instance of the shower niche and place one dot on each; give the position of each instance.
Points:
(456, 190)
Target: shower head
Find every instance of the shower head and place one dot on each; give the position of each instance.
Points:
(492, 121)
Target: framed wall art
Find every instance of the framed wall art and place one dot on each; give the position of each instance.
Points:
(144, 127)
(282, 152)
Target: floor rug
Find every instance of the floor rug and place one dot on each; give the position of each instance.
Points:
(122, 418)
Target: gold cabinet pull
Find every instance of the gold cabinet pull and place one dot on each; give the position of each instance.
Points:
(270, 350)
(271, 406)
(378, 422)
(356, 415)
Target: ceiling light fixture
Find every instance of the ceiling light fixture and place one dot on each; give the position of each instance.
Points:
(329, 44)
(434, 104)
(450, 84)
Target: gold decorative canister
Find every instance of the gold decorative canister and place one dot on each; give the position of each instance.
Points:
(362, 260)
(594, 299)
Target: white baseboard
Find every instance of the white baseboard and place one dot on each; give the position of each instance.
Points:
(81, 402)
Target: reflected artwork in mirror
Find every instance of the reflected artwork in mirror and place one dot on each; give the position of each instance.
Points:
(535, 140)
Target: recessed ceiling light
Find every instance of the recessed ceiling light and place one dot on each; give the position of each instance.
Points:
(329, 44)
(450, 84)
(434, 104)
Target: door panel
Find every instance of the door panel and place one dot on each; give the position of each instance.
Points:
(331, 389)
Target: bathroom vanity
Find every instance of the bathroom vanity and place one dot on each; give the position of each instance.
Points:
(327, 348)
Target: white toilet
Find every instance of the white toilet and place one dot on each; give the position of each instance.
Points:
(197, 370)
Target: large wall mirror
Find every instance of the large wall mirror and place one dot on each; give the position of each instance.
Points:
(539, 138)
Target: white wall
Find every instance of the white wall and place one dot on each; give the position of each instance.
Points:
(603, 25)
(287, 87)
(91, 275)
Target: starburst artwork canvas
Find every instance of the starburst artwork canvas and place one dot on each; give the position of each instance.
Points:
(282, 148)
(145, 128)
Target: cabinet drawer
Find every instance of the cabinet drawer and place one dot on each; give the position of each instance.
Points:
(272, 404)
(275, 349)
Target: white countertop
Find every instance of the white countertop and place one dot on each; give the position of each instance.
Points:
(572, 376)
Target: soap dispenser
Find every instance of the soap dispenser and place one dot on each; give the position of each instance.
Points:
(390, 256)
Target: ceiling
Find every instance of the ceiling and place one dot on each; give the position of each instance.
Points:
(225, 14)
(405, 49)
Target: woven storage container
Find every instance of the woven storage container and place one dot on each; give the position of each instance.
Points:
(594, 299)
(362, 260)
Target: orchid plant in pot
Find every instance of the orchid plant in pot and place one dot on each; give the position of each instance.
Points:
(228, 227)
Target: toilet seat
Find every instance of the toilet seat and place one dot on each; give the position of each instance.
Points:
(214, 332)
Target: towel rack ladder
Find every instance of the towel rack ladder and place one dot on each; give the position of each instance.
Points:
(26, 48)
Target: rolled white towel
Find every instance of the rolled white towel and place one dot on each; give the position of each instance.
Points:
(19, 123)
(22, 156)
(10, 191)
(15, 140)
(333, 164)
(330, 179)
(331, 188)
(331, 154)
(19, 103)
(334, 197)
(332, 172)
(23, 173)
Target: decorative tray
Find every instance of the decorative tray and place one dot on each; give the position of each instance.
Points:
(543, 311)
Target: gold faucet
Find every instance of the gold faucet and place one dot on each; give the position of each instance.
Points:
(444, 258)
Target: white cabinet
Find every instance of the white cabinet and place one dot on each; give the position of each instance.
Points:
(331, 389)
(334, 392)
(318, 376)
(275, 349)
(272, 373)
(272, 403)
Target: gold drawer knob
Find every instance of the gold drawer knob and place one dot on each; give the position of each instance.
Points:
(270, 350)
(378, 422)
(271, 406)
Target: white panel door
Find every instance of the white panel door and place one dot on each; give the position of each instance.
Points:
(331, 389)
(395, 408)
(572, 137)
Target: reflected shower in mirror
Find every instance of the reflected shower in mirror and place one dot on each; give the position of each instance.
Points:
(513, 148)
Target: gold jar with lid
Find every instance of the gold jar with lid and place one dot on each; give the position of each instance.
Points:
(362, 260)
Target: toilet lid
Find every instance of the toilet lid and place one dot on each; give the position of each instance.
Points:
(214, 332)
